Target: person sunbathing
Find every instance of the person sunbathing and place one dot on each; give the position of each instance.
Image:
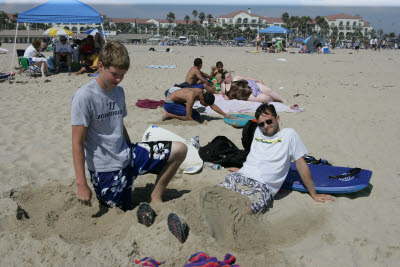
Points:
(179, 104)
(247, 88)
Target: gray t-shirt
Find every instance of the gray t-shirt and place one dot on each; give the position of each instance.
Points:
(102, 113)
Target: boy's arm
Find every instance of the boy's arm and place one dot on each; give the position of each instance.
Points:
(201, 78)
(218, 110)
(78, 139)
(305, 174)
(189, 108)
(126, 135)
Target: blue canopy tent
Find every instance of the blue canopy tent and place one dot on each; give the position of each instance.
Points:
(298, 40)
(59, 11)
(275, 29)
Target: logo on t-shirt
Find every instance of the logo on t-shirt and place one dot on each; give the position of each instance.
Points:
(111, 113)
(267, 141)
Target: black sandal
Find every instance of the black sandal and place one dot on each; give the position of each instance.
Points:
(145, 214)
(177, 228)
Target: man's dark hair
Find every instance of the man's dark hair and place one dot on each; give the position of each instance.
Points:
(209, 98)
(198, 62)
(219, 63)
(263, 108)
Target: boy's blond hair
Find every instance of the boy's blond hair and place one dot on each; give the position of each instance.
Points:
(114, 54)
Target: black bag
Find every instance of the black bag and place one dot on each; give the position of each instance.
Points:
(223, 151)
(248, 134)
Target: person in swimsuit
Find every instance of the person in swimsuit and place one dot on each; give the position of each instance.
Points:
(179, 104)
(198, 79)
(247, 88)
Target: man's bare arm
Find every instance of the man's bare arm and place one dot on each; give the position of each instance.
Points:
(78, 139)
(305, 174)
(218, 110)
(199, 76)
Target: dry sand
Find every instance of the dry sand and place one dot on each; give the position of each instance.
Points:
(350, 118)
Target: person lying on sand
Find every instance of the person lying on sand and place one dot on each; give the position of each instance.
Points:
(247, 88)
(179, 104)
(268, 162)
(198, 79)
(97, 117)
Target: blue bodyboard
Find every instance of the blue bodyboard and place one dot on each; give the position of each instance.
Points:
(240, 121)
(329, 179)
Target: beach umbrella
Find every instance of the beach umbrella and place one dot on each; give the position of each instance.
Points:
(57, 31)
(94, 31)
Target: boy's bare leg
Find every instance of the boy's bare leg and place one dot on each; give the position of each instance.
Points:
(177, 156)
(167, 116)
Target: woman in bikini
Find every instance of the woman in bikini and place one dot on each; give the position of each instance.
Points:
(247, 88)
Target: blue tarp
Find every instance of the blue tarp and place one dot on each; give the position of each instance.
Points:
(275, 29)
(61, 11)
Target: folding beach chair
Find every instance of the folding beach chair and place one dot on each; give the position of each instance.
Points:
(28, 66)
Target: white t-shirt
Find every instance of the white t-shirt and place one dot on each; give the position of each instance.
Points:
(30, 52)
(63, 47)
(269, 159)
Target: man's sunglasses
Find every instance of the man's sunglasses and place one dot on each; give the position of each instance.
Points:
(268, 122)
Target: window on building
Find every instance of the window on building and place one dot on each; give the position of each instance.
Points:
(230, 20)
(341, 23)
(223, 20)
(245, 20)
(354, 23)
(348, 23)
(239, 20)
(253, 21)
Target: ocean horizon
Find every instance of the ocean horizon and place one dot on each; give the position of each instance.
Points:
(385, 18)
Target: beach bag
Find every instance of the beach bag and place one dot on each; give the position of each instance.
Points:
(223, 151)
(248, 134)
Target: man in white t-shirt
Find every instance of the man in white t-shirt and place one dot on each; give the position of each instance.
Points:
(64, 52)
(268, 162)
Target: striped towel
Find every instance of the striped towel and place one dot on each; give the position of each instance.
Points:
(149, 262)
(202, 259)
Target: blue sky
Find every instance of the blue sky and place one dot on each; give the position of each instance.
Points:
(231, 2)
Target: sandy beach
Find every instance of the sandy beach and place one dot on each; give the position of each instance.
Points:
(350, 113)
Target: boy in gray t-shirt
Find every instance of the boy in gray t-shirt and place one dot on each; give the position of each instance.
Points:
(99, 135)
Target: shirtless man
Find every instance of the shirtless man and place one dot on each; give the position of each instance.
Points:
(198, 79)
(179, 104)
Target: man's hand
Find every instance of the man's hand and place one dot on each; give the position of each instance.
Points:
(84, 195)
(322, 197)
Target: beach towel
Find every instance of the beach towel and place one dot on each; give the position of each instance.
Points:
(149, 262)
(161, 67)
(147, 103)
(242, 106)
(202, 259)
(5, 75)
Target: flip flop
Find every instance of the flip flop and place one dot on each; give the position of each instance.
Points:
(177, 228)
(145, 214)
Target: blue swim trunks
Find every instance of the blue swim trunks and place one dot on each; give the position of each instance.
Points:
(200, 85)
(179, 109)
(115, 188)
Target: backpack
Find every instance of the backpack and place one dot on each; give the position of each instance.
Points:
(248, 134)
(223, 151)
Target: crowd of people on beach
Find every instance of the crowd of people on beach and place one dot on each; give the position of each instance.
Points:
(78, 55)
(114, 161)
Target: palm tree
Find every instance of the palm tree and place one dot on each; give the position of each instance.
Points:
(380, 32)
(186, 19)
(194, 13)
(286, 20)
(294, 23)
(209, 17)
(170, 19)
(202, 17)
